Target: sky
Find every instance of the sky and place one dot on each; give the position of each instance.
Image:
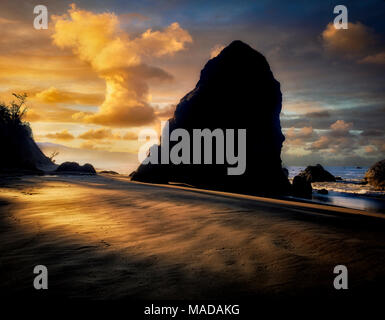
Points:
(104, 70)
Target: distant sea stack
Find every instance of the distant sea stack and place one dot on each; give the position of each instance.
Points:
(75, 168)
(317, 174)
(236, 90)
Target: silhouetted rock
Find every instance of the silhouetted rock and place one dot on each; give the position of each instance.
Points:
(317, 174)
(109, 172)
(74, 167)
(322, 191)
(375, 176)
(338, 178)
(236, 90)
(18, 150)
(301, 187)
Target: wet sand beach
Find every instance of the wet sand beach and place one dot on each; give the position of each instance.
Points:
(104, 237)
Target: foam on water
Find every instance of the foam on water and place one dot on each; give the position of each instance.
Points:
(349, 192)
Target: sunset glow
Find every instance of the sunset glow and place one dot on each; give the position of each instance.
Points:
(98, 75)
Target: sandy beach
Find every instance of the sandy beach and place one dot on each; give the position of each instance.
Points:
(104, 237)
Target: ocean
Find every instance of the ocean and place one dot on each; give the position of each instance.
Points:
(348, 192)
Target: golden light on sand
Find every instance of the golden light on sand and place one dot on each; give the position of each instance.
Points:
(176, 235)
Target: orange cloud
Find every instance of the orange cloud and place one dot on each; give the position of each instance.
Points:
(304, 132)
(53, 95)
(99, 134)
(98, 40)
(322, 143)
(370, 149)
(165, 112)
(358, 42)
(104, 133)
(341, 125)
(216, 50)
(32, 116)
(88, 146)
(130, 136)
(63, 135)
(355, 40)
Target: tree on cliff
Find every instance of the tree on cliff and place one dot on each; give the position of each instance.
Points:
(17, 148)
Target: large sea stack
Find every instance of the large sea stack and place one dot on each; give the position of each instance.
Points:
(236, 90)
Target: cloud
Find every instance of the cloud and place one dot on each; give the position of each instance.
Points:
(369, 115)
(333, 145)
(341, 126)
(304, 132)
(130, 136)
(63, 135)
(216, 50)
(370, 149)
(320, 114)
(356, 40)
(337, 138)
(373, 133)
(88, 146)
(32, 116)
(322, 143)
(105, 133)
(118, 60)
(378, 58)
(99, 134)
(54, 95)
(158, 43)
(165, 112)
(303, 106)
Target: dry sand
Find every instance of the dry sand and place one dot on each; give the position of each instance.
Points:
(105, 237)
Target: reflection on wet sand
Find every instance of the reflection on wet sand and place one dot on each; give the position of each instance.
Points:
(106, 237)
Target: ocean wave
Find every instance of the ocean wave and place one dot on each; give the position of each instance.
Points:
(349, 187)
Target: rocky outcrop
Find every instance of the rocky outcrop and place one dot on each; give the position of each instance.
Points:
(317, 174)
(19, 152)
(375, 176)
(301, 187)
(236, 90)
(75, 168)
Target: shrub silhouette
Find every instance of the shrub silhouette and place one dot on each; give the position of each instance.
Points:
(13, 133)
(11, 117)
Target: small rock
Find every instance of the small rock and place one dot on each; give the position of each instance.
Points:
(375, 176)
(74, 167)
(301, 187)
(322, 191)
(317, 174)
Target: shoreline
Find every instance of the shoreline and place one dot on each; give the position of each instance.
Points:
(284, 200)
